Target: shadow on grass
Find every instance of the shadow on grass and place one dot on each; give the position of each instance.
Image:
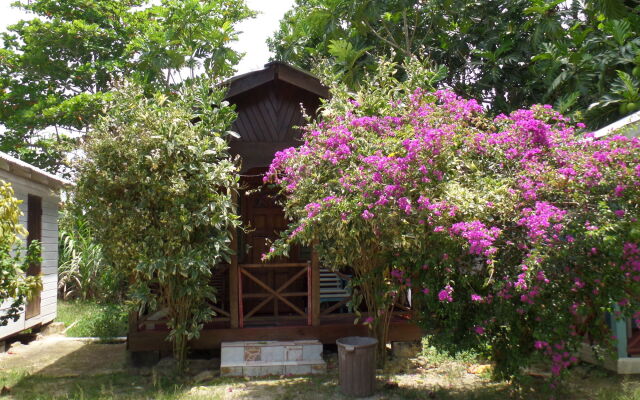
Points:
(92, 371)
(99, 371)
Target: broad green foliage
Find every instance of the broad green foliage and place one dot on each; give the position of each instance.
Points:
(57, 69)
(156, 189)
(587, 56)
(89, 319)
(516, 234)
(481, 43)
(82, 271)
(579, 56)
(15, 287)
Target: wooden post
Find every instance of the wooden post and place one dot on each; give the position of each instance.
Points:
(240, 296)
(233, 274)
(309, 296)
(620, 331)
(315, 286)
(133, 321)
(133, 327)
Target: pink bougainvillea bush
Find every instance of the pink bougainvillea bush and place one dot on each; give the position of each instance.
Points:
(516, 233)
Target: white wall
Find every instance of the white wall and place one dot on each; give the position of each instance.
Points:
(22, 188)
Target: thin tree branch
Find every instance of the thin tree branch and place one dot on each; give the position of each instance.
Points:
(407, 41)
(387, 41)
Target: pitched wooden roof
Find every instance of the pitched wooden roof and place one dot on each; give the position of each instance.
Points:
(276, 70)
(269, 104)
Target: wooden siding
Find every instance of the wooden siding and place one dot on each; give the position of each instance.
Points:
(268, 121)
(48, 307)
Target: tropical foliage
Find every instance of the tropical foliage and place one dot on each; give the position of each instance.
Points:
(90, 319)
(57, 69)
(156, 189)
(577, 55)
(83, 273)
(15, 286)
(515, 233)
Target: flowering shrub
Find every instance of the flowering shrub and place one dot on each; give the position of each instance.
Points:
(516, 232)
(149, 188)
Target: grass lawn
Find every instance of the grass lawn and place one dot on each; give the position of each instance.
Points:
(90, 319)
(129, 385)
(90, 370)
(431, 375)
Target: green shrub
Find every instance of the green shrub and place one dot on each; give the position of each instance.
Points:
(90, 319)
(156, 187)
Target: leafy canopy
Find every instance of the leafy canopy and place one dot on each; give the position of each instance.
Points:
(580, 56)
(57, 69)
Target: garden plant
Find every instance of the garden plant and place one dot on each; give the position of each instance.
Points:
(516, 233)
(156, 187)
(15, 286)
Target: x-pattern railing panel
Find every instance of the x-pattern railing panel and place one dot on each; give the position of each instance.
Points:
(278, 294)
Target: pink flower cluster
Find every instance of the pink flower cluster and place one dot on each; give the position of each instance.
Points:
(480, 237)
(543, 221)
(446, 294)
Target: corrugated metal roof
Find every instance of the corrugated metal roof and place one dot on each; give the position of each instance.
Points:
(619, 124)
(28, 171)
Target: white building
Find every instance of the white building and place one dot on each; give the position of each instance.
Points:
(628, 126)
(40, 195)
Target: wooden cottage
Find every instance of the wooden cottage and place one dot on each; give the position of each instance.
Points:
(39, 192)
(285, 299)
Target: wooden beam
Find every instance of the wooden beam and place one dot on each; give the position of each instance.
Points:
(274, 265)
(248, 81)
(315, 286)
(233, 274)
(133, 326)
(275, 293)
(335, 306)
(300, 79)
(400, 331)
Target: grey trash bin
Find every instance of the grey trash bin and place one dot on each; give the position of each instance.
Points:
(357, 365)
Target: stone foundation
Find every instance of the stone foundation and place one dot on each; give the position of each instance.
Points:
(253, 358)
(622, 366)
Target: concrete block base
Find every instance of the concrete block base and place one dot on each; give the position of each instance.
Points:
(252, 358)
(53, 328)
(405, 349)
(622, 366)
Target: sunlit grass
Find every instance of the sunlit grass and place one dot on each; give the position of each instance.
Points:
(90, 319)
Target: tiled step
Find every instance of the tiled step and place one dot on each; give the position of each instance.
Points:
(254, 358)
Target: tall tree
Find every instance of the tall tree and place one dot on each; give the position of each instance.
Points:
(58, 68)
(156, 188)
(480, 43)
(510, 54)
(587, 57)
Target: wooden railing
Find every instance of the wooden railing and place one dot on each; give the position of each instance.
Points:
(274, 294)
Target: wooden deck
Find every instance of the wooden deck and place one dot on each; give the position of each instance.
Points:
(327, 333)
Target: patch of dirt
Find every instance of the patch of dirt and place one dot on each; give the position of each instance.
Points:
(59, 356)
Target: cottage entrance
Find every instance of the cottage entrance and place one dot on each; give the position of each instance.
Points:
(34, 227)
(275, 292)
(284, 299)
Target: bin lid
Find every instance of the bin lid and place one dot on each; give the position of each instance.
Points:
(357, 341)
